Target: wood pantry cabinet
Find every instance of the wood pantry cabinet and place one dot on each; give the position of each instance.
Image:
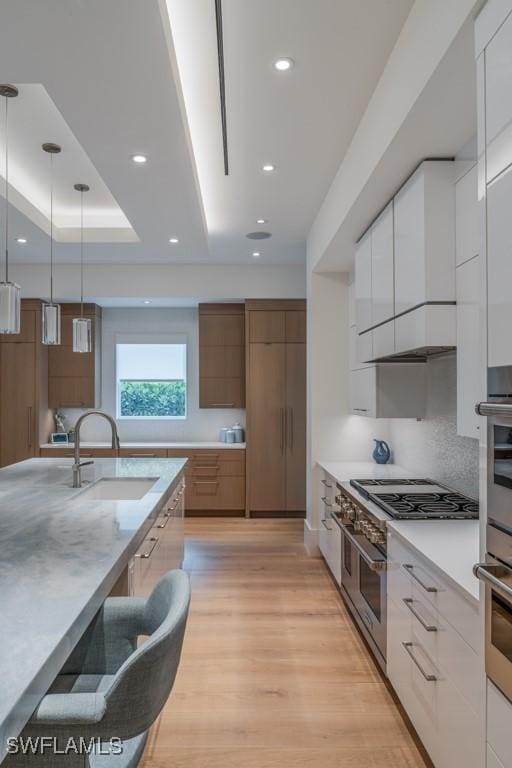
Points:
(276, 406)
(221, 356)
(74, 378)
(24, 413)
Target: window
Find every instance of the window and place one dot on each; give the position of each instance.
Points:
(151, 381)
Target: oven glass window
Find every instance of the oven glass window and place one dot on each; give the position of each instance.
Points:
(503, 455)
(347, 555)
(369, 586)
(501, 626)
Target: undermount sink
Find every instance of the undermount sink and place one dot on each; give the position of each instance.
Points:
(119, 489)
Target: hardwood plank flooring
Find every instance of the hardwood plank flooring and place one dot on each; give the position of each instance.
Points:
(273, 672)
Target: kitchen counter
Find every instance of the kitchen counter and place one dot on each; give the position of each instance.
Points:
(60, 556)
(129, 445)
(451, 545)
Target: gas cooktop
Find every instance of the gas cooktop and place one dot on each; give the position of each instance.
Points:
(417, 499)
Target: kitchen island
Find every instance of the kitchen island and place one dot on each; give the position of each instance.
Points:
(62, 551)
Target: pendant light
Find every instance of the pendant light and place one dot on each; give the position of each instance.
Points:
(82, 335)
(10, 299)
(51, 310)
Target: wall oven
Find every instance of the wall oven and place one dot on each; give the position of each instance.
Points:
(363, 571)
(496, 573)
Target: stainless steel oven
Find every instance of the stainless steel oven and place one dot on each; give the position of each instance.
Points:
(363, 572)
(496, 573)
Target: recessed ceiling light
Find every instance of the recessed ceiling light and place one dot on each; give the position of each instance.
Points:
(256, 254)
(268, 167)
(261, 221)
(283, 64)
(173, 240)
(146, 301)
(21, 240)
(139, 159)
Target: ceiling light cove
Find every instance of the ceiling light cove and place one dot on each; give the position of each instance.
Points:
(139, 159)
(283, 64)
(269, 167)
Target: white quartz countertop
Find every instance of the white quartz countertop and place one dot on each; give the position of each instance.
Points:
(60, 555)
(451, 545)
(178, 445)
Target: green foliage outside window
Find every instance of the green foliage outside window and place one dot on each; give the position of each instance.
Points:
(153, 398)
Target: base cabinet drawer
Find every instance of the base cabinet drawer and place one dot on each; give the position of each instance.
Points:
(452, 733)
(68, 453)
(143, 453)
(221, 493)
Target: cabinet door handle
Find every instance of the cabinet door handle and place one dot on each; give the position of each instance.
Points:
(361, 410)
(222, 405)
(429, 678)
(140, 456)
(409, 602)
(148, 552)
(324, 523)
(324, 482)
(326, 501)
(282, 429)
(291, 430)
(29, 431)
(410, 569)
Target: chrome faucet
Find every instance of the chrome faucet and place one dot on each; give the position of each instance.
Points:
(77, 466)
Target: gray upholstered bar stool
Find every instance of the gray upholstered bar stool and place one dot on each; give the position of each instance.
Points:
(110, 688)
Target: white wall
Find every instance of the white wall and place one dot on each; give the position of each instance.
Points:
(164, 283)
(200, 424)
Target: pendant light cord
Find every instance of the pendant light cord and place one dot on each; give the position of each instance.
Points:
(6, 190)
(81, 253)
(51, 228)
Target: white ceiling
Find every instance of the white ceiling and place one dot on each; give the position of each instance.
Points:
(301, 120)
(109, 70)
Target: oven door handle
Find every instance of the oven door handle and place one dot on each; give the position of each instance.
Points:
(493, 409)
(482, 572)
(373, 565)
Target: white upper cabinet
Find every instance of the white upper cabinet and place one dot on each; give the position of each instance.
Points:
(499, 270)
(469, 378)
(466, 217)
(424, 221)
(383, 287)
(363, 283)
(498, 100)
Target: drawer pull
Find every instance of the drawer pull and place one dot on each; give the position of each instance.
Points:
(140, 455)
(164, 521)
(324, 523)
(429, 678)
(410, 569)
(205, 457)
(324, 482)
(409, 602)
(326, 501)
(147, 554)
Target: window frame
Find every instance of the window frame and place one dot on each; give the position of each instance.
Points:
(150, 339)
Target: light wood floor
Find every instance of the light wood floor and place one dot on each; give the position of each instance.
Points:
(273, 673)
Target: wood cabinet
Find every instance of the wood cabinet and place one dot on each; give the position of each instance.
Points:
(215, 480)
(276, 407)
(24, 414)
(74, 379)
(221, 356)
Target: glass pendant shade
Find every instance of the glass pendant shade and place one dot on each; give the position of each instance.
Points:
(10, 308)
(82, 334)
(51, 324)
